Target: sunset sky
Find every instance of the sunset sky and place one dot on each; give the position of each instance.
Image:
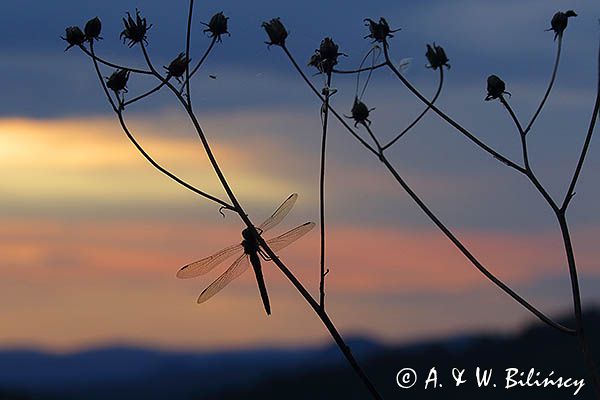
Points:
(91, 236)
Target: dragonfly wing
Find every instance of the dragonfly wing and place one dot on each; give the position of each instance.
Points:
(207, 264)
(236, 269)
(290, 237)
(279, 214)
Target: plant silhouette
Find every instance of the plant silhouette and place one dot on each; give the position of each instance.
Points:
(380, 33)
(326, 61)
(135, 34)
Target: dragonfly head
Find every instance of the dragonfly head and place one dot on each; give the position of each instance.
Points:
(247, 234)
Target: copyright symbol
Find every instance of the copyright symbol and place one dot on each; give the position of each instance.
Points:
(406, 378)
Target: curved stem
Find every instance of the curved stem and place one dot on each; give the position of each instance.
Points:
(325, 113)
(370, 131)
(188, 39)
(469, 255)
(451, 236)
(416, 120)
(156, 165)
(520, 129)
(144, 95)
(586, 145)
(552, 79)
(445, 117)
(240, 211)
(318, 94)
(356, 71)
(202, 59)
(93, 55)
(583, 342)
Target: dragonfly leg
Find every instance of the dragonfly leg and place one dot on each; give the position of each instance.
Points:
(264, 255)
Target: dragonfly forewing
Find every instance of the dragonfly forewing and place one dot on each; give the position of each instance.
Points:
(207, 264)
(282, 211)
(284, 240)
(236, 269)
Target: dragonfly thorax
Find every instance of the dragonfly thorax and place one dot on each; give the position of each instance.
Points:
(250, 242)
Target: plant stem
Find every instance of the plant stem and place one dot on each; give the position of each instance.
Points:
(583, 343)
(432, 216)
(356, 71)
(144, 95)
(445, 117)
(188, 38)
(416, 120)
(91, 54)
(552, 79)
(156, 165)
(333, 111)
(458, 244)
(325, 113)
(286, 271)
(202, 59)
(588, 139)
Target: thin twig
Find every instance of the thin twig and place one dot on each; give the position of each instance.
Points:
(373, 136)
(586, 145)
(462, 248)
(144, 95)
(325, 113)
(359, 70)
(110, 64)
(334, 112)
(202, 59)
(156, 165)
(552, 79)
(188, 39)
(583, 342)
(416, 120)
(445, 117)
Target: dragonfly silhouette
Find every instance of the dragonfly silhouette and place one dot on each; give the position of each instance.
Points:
(248, 252)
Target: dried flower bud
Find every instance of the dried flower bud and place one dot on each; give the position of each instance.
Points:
(495, 87)
(117, 82)
(276, 31)
(217, 26)
(135, 29)
(178, 66)
(437, 57)
(326, 56)
(360, 113)
(92, 29)
(379, 31)
(74, 36)
(559, 22)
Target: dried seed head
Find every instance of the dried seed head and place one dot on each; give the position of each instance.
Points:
(559, 22)
(276, 31)
(360, 113)
(326, 56)
(92, 29)
(178, 66)
(436, 56)
(117, 82)
(328, 49)
(495, 87)
(74, 36)
(217, 26)
(135, 29)
(379, 31)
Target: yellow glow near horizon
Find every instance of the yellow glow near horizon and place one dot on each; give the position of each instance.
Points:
(86, 158)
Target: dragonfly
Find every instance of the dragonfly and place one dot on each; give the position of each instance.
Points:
(248, 252)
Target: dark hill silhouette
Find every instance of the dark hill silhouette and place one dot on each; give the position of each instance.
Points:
(296, 373)
(536, 347)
